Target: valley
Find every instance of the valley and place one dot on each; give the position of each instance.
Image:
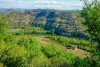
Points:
(50, 37)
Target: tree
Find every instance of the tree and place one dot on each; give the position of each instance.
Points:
(3, 23)
(91, 13)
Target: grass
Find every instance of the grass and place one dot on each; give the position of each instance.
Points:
(68, 42)
(28, 50)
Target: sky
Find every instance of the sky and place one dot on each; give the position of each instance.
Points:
(42, 4)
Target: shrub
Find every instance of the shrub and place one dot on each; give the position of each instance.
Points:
(16, 57)
(52, 51)
(20, 32)
(68, 42)
(57, 62)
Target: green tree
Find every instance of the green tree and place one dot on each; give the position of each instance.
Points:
(91, 13)
(3, 23)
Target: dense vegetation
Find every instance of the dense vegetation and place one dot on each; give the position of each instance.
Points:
(91, 13)
(23, 50)
(68, 23)
(21, 31)
(20, 48)
(68, 42)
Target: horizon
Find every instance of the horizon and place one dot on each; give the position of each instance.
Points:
(42, 4)
(39, 9)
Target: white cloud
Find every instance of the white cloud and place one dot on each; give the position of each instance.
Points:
(52, 4)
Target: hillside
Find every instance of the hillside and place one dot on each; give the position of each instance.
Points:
(49, 33)
(67, 23)
(34, 47)
(33, 38)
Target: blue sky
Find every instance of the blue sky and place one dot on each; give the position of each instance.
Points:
(42, 4)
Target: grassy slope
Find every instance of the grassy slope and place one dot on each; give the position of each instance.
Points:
(46, 42)
(58, 41)
(52, 46)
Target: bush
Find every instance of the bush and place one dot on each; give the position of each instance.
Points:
(3, 26)
(20, 32)
(2, 49)
(34, 56)
(68, 42)
(57, 62)
(78, 62)
(26, 51)
(52, 51)
(16, 57)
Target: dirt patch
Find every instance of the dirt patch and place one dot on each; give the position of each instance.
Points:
(80, 53)
(77, 52)
(45, 41)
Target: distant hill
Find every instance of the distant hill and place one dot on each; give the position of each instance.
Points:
(66, 23)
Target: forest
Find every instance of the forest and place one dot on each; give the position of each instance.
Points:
(50, 38)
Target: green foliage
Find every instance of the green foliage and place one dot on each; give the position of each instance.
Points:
(18, 48)
(52, 51)
(26, 51)
(19, 32)
(10, 39)
(86, 62)
(57, 62)
(2, 48)
(78, 62)
(68, 21)
(68, 42)
(51, 32)
(3, 22)
(28, 31)
(38, 30)
(16, 57)
(91, 13)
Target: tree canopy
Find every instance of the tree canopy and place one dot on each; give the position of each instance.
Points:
(91, 13)
(3, 23)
